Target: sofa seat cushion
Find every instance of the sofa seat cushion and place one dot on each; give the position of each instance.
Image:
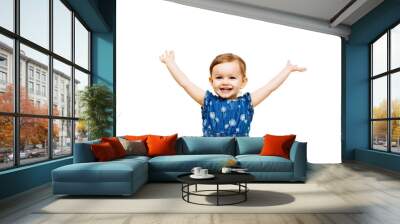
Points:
(185, 163)
(257, 163)
(190, 145)
(111, 171)
(133, 158)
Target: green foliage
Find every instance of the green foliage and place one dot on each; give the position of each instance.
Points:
(97, 104)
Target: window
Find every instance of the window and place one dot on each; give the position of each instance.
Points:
(7, 14)
(30, 87)
(35, 21)
(385, 92)
(54, 126)
(37, 75)
(3, 72)
(43, 77)
(6, 73)
(3, 78)
(6, 142)
(62, 29)
(3, 61)
(81, 45)
(30, 72)
(43, 90)
(62, 137)
(37, 89)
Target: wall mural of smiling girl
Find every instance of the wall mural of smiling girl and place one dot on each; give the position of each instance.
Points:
(202, 96)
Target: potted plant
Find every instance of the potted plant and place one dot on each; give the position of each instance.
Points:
(97, 106)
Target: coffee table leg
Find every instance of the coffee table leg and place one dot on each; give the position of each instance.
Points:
(196, 188)
(245, 191)
(217, 194)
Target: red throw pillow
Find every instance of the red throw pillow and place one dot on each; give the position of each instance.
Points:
(161, 145)
(277, 145)
(103, 151)
(135, 138)
(116, 145)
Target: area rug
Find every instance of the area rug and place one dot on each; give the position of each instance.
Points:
(167, 198)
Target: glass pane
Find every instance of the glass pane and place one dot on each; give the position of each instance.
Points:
(379, 135)
(81, 131)
(395, 47)
(34, 94)
(62, 137)
(7, 14)
(81, 45)
(395, 136)
(379, 98)
(35, 21)
(379, 55)
(81, 81)
(6, 142)
(395, 94)
(62, 29)
(62, 89)
(6, 74)
(33, 139)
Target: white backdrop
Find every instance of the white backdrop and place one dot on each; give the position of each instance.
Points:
(149, 101)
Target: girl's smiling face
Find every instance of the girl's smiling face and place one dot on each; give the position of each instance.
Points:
(227, 79)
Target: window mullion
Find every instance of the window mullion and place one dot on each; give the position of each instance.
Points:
(73, 82)
(16, 84)
(389, 104)
(50, 81)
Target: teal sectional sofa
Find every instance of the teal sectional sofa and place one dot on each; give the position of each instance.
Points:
(125, 176)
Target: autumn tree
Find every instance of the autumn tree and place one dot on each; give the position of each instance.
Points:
(33, 131)
(380, 127)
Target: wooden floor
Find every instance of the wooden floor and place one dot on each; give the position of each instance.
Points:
(353, 182)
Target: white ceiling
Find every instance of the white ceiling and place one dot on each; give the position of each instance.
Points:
(324, 16)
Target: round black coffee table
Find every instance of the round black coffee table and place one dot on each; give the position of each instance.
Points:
(239, 179)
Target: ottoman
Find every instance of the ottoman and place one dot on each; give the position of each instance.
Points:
(119, 177)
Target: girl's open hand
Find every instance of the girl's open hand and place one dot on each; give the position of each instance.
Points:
(167, 57)
(294, 68)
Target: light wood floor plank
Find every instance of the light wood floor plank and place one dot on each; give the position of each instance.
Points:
(377, 191)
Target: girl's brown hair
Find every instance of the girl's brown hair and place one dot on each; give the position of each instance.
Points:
(229, 57)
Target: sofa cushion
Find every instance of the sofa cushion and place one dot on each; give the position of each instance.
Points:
(134, 147)
(185, 163)
(103, 151)
(136, 137)
(161, 145)
(111, 171)
(116, 145)
(257, 163)
(207, 145)
(277, 145)
(133, 157)
(249, 145)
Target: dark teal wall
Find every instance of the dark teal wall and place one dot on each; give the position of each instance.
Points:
(103, 63)
(24, 178)
(103, 52)
(356, 62)
(99, 15)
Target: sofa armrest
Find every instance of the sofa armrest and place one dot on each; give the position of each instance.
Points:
(83, 152)
(298, 155)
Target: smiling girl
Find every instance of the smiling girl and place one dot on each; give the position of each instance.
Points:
(226, 113)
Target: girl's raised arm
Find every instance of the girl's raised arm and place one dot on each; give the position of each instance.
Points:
(168, 58)
(259, 95)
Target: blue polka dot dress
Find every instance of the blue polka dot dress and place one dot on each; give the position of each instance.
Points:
(226, 117)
